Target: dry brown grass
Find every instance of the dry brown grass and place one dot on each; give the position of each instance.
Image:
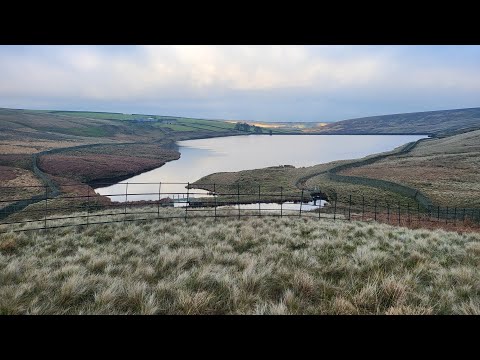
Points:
(31, 147)
(247, 266)
(99, 166)
(271, 179)
(413, 221)
(446, 170)
(16, 149)
(17, 183)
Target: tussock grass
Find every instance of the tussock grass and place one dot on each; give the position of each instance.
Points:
(266, 265)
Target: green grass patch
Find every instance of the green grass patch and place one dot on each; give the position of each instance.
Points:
(175, 127)
(95, 115)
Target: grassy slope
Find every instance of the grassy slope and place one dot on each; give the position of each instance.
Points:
(291, 179)
(171, 122)
(248, 266)
(105, 124)
(440, 123)
(447, 170)
(25, 132)
(58, 125)
(75, 126)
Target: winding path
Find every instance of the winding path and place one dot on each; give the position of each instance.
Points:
(53, 190)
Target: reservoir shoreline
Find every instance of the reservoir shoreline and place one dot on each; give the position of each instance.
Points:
(199, 159)
(111, 180)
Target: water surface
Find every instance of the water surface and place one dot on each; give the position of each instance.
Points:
(206, 156)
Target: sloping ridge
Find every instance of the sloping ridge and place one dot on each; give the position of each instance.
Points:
(53, 190)
(437, 123)
(383, 184)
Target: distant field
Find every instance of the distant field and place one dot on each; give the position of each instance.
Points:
(94, 115)
(24, 125)
(248, 266)
(176, 127)
(186, 125)
(156, 119)
(172, 122)
(207, 123)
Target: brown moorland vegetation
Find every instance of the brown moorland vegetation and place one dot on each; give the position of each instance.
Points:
(87, 168)
(446, 170)
(146, 144)
(439, 123)
(17, 183)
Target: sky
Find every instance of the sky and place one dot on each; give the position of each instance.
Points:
(236, 82)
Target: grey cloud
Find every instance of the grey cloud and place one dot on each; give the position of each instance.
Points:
(274, 83)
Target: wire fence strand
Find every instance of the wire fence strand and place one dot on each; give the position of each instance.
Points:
(222, 201)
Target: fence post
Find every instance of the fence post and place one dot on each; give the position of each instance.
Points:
(319, 208)
(158, 205)
(46, 207)
(455, 217)
(301, 202)
(215, 196)
(88, 204)
(388, 213)
(363, 208)
(463, 216)
(335, 209)
(126, 202)
(259, 209)
(399, 210)
(438, 213)
(281, 201)
(408, 213)
(446, 216)
(238, 200)
(375, 209)
(186, 203)
(349, 206)
(418, 213)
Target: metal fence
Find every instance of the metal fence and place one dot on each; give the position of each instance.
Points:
(78, 205)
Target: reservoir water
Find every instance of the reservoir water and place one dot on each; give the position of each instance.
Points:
(206, 156)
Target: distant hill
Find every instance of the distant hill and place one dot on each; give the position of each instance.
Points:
(19, 124)
(439, 123)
